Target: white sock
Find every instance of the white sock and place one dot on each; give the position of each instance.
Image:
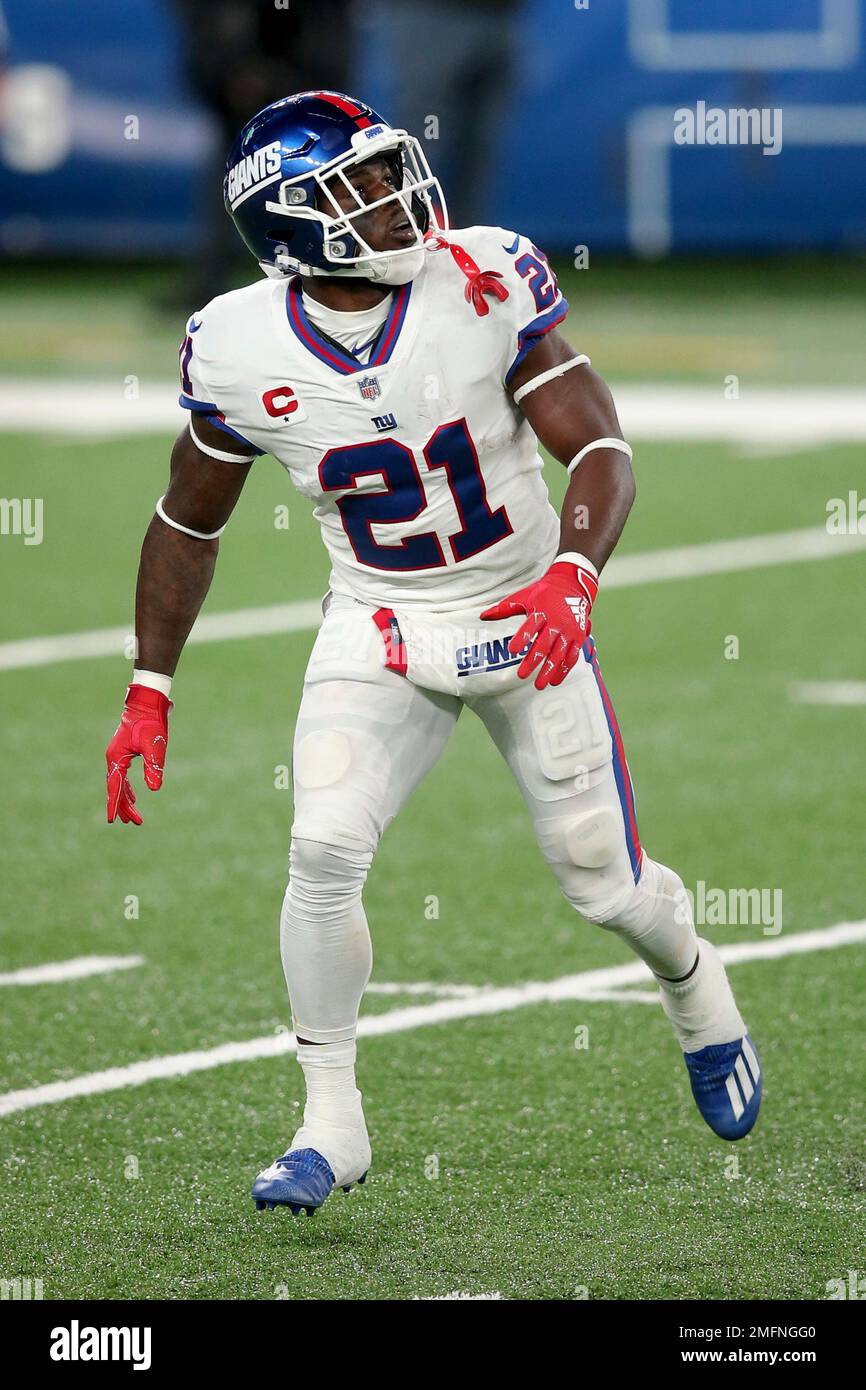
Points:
(334, 1122)
(702, 1009)
(657, 923)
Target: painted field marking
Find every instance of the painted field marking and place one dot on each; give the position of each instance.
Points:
(79, 968)
(92, 409)
(828, 692)
(623, 572)
(458, 1294)
(587, 985)
(623, 996)
(265, 621)
(416, 987)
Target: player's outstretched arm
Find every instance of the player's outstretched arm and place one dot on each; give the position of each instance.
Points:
(572, 412)
(175, 571)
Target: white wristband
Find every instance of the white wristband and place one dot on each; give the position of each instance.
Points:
(618, 444)
(222, 454)
(549, 375)
(575, 558)
(154, 680)
(187, 530)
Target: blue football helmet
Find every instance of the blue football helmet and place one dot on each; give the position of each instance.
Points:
(276, 188)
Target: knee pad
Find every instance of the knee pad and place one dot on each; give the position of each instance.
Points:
(592, 839)
(589, 857)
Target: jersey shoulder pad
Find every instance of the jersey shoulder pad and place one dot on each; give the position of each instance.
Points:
(517, 287)
(223, 328)
(217, 343)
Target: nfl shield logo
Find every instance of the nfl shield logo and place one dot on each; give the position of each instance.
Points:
(369, 388)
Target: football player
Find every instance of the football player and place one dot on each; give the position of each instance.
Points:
(404, 374)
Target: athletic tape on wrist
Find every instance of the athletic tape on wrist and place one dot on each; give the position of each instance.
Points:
(573, 557)
(153, 680)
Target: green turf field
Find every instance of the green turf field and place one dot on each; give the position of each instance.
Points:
(505, 1159)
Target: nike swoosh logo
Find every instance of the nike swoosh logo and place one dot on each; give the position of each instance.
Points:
(193, 326)
(511, 249)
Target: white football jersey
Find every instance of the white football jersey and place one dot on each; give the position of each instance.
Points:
(425, 476)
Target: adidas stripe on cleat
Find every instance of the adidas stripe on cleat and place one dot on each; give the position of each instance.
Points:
(727, 1086)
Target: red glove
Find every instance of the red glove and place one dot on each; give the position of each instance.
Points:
(143, 729)
(557, 608)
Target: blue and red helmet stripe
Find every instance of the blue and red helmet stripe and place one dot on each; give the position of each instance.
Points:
(348, 107)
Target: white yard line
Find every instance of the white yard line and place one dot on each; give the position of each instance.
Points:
(623, 996)
(625, 571)
(829, 692)
(114, 641)
(458, 1295)
(92, 410)
(56, 972)
(584, 986)
(725, 557)
(823, 939)
(767, 415)
(422, 987)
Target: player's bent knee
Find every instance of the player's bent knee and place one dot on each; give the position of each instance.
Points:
(588, 855)
(659, 889)
(325, 865)
(589, 840)
(601, 901)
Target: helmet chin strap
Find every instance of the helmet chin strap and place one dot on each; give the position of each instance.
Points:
(394, 270)
(381, 270)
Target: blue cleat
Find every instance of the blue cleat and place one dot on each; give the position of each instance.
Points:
(726, 1084)
(302, 1178)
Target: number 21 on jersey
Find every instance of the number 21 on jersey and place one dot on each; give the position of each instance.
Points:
(403, 499)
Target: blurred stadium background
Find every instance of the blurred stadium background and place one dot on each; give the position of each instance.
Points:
(572, 97)
(721, 291)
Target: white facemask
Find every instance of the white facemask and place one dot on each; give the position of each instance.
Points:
(338, 226)
(384, 270)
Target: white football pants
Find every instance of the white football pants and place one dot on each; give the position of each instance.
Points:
(364, 739)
